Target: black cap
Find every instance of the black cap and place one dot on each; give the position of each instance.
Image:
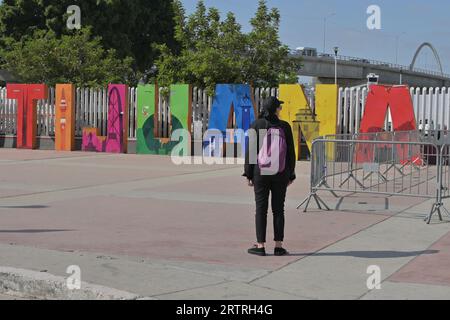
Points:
(271, 104)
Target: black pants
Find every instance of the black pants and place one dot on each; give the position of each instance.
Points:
(264, 186)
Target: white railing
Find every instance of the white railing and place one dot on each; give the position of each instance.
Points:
(431, 105)
(91, 110)
(383, 64)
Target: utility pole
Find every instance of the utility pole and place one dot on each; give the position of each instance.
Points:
(325, 31)
(336, 51)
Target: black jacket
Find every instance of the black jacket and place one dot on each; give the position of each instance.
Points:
(252, 170)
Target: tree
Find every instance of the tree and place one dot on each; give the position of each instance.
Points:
(78, 59)
(130, 27)
(268, 62)
(210, 49)
(214, 51)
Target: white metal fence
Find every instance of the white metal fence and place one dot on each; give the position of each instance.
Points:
(91, 110)
(431, 105)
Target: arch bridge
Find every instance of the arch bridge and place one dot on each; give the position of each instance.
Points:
(353, 71)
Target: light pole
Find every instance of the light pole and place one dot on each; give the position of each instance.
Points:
(397, 39)
(336, 51)
(401, 75)
(325, 30)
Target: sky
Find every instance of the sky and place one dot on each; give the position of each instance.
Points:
(412, 22)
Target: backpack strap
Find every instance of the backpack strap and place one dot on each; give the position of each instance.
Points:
(267, 124)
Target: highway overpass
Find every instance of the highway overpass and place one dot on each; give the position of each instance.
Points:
(353, 71)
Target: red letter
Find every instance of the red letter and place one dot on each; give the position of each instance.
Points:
(26, 96)
(379, 100)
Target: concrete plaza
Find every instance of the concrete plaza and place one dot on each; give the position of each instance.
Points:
(142, 225)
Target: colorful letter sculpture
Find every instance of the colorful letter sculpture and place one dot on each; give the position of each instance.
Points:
(229, 98)
(148, 141)
(326, 108)
(65, 117)
(26, 96)
(294, 100)
(92, 141)
(147, 102)
(116, 140)
(299, 114)
(380, 100)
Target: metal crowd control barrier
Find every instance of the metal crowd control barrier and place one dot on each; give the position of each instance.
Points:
(407, 164)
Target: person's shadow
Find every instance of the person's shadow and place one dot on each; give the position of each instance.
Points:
(368, 254)
(24, 207)
(36, 231)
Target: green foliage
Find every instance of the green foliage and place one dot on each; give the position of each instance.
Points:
(216, 51)
(268, 63)
(124, 40)
(77, 58)
(130, 27)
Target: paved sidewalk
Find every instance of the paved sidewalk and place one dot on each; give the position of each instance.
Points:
(143, 225)
(4, 297)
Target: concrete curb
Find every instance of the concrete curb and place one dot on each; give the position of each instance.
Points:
(45, 286)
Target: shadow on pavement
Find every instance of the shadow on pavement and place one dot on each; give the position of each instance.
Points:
(369, 254)
(35, 231)
(24, 207)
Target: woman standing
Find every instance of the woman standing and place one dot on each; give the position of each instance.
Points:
(276, 182)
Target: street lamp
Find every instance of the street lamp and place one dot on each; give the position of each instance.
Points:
(401, 75)
(325, 30)
(336, 51)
